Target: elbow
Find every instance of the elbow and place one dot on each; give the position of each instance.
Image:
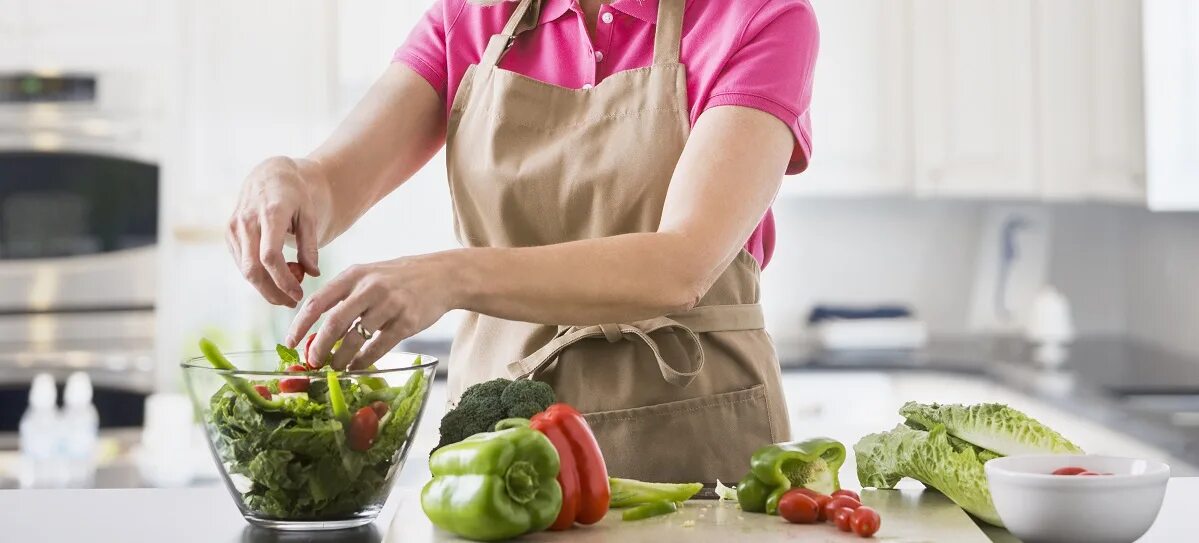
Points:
(682, 293)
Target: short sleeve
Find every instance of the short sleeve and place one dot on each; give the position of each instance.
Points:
(425, 49)
(771, 70)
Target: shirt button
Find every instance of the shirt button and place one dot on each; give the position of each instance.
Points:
(606, 17)
(599, 56)
(587, 85)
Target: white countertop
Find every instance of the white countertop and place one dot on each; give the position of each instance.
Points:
(208, 515)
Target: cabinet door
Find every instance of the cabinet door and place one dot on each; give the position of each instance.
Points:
(1171, 30)
(97, 35)
(860, 101)
(12, 34)
(1089, 96)
(972, 69)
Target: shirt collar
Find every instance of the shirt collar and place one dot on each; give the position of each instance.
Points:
(646, 10)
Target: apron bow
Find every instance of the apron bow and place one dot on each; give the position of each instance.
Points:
(687, 325)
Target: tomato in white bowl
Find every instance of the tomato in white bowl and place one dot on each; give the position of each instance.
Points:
(1037, 505)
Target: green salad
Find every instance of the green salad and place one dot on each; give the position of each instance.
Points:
(319, 445)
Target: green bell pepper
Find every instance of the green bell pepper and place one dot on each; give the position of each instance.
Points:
(494, 485)
(775, 469)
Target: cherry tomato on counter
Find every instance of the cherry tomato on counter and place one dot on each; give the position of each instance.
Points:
(364, 426)
(849, 493)
(864, 521)
(837, 503)
(841, 517)
(798, 507)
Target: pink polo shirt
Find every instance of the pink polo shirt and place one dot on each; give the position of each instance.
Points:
(752, 53)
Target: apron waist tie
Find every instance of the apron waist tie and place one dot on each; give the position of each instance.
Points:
(688, 324)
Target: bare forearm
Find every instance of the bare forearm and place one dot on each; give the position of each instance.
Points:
(616, 279)
(724, 182)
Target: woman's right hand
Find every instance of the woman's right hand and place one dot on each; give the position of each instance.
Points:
(281, 200)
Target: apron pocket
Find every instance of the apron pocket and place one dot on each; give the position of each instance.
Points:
(700, 439)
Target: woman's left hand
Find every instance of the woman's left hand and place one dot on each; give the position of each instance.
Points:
(392, 300)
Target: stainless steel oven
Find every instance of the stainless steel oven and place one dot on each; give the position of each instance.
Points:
(79, 186)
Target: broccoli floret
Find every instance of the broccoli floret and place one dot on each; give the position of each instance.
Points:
(489, 402)
(487, 389)
(528, 392)
(469, 418)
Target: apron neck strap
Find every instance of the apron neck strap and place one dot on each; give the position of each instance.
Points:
(521, 20)
(669, 32)
(667, 35)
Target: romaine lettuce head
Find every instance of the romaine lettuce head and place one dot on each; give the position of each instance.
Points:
(954, 469)
(991, 426)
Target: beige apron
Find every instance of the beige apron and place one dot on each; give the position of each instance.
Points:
(682, 397)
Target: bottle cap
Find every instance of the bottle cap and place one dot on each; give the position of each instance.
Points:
(79, 390)
(42, 393)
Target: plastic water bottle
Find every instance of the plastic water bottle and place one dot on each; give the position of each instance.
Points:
(40, 443)
(80, 429)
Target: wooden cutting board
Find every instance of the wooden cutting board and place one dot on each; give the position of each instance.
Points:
(908, 516)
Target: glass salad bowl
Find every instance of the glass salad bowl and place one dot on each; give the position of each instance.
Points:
(299, 450)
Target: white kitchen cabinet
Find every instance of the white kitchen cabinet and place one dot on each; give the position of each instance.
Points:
(859, 104)
(256, 81)
(1022, 99)
(107, 36)
(1089, 100)
(1171, 30)
(12, 33)
(973, 106)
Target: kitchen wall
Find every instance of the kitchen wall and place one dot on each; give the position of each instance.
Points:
(1161, 267)
(926, 254)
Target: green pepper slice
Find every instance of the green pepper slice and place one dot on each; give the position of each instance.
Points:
(647, 510)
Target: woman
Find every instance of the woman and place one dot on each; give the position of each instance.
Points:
(608, 163)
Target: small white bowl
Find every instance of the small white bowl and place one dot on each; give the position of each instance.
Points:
(1037, 506)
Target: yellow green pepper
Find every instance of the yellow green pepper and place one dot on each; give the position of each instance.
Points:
(775, 469)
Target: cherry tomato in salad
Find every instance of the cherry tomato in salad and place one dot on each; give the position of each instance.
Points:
(364, 426)
(297, 368)
(308, 345)
(294, 384)
(864, 521)
(296, 270)
(849, 493)
(1069, 470)
(798, 508)
(841, 517)
(837, 503)
(380, 408)
(263, 391)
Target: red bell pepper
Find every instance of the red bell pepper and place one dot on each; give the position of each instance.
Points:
(583, 475)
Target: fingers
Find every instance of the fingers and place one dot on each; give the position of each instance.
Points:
(321, 301)
(306, 245)
(372, 320)
(245, 235)
(270, 254)
(384, 341)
